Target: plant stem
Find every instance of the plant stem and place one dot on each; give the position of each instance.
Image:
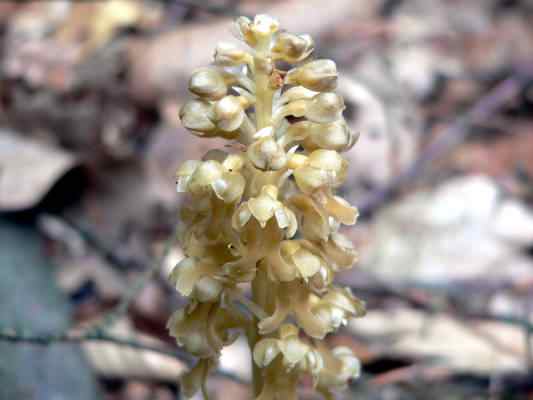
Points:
(263, 115)
(258, 294)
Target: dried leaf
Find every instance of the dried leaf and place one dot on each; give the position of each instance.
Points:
(28, 169)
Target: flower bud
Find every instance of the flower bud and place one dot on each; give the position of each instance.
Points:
(187, 327)
(208, 83)
(263, 208)
(296, 93)
(229, 113)
(313, 220)
(264, 25)
(337, 306)
(340, 365)
(328, 160)
(325, 107)
(318, 75)
(292, 48)
(340, 251)
(298, 255)
(243, 27)
(183, 276)
(294, 350)
(333, 136)
(324, 168)
(198, 115)
(258, 31)
(184, 173)
(193, 276)
(351, 367)
(202, 178)
(333, 310)
(332, 317)
(341, 210)
(233, 162)
(230, 187)
(265, 351)
(228, 54)
(266, 153)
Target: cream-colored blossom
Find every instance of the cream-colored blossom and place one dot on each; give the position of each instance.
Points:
(316, 315)
(263, 213)
(201, 178)
(263, 208)
(340, 365)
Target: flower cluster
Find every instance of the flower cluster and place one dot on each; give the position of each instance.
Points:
(265, 216)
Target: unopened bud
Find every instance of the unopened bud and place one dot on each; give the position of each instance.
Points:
(351, 366)
(323, 168)
(184, 173)
(256, 31)
(197, 115)
(229, 113)
(204, 176)
(264, 25)
(230, 187)
(318, 75)
(333, 136)
(325, 107)
(233, 162)
(292, 48)
(228, 54)
(297, 93)
(296, 254)
(294, 350)
(344, 300)
(265, 351)
(266, 154)
(208, 83)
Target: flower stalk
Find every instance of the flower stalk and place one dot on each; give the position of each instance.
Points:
(266, 217)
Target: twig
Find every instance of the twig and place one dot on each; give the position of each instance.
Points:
(447, 140)
(68, 337)
(120, 309)
(411, 373)
(9, 335)
(98, 331)
(229, 11)
(101, 248)
(428, 304)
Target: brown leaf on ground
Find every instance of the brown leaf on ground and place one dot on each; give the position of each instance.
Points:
(28, 169)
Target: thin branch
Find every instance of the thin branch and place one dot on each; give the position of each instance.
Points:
(68, 337)
(428, 303)
(228, 11)
(106, 252)
(9, 335)
(455, 134)
(121, 309)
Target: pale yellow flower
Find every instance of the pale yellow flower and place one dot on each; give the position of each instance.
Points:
(263, 214)
(264, 208)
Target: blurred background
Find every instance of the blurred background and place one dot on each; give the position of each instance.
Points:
(441, 92)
